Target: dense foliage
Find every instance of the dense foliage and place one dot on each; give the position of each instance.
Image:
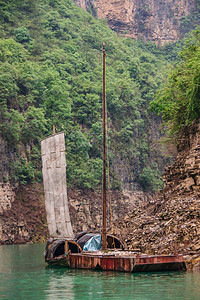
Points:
(179, 100)
(51, 73)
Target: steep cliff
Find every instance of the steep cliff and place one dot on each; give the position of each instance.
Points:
(25, 220)
(86, 207)
(155, 20)
(170, 223)
(6, 188)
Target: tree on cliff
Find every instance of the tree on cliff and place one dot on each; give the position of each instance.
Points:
(179, 100)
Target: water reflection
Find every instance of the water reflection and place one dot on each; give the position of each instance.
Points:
(85, 284)
(24, 275)
(60, 284)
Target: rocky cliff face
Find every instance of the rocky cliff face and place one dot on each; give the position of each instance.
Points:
(184, 175)
(155, 20)
(84, 4)
(86, 207)
(6, 189)
(25, 220)
(171, 222)
(22, 209)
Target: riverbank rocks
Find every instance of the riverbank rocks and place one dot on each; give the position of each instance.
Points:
(171, 226)
(171, 223)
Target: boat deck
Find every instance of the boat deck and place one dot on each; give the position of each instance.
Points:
(124, 261)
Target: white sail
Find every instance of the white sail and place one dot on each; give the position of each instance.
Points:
(55, 188)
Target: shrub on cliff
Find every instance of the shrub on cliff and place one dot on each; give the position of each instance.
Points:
(179, 100)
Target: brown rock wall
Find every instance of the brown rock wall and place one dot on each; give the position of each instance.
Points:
(155, 20)
(7, 190)
(25, 220)
(86, 207)
(7, 196)
(170, 223)
(184, 174)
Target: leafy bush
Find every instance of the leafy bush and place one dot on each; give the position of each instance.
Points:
(23, 171)
(179, 100)
(22, 35)
(150, 180)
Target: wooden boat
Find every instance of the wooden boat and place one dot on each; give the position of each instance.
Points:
(69, 254)
(88, 250)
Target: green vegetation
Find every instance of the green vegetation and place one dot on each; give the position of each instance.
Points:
(51, 74)
(149, 179)
(179, 100)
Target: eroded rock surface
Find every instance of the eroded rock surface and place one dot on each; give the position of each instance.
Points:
(171, 222)
(86, 207)
(154, 20)
(25, 220)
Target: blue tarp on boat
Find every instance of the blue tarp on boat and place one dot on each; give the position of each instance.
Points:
(93, 244)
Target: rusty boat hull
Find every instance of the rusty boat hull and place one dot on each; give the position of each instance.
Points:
(120, 262)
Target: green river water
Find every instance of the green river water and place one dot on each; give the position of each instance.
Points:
(24, 275)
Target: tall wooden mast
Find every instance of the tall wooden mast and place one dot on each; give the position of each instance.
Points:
(104, 242)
